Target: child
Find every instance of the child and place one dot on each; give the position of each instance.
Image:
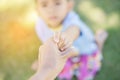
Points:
(58, 16)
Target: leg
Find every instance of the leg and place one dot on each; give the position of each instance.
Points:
(101, 36)
(35, 65)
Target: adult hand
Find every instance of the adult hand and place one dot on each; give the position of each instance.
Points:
(51, 61)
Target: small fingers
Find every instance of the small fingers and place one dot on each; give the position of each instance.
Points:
(68, 44)
(61, 42)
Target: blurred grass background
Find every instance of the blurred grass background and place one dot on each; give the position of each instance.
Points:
(19, 43)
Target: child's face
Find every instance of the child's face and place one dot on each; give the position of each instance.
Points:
(53, 11)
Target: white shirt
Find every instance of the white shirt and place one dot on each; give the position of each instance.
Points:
(85, 43)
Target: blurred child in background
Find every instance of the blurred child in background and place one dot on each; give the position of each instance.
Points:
(57, 18)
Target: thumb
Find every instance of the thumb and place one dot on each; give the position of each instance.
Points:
(56, 36)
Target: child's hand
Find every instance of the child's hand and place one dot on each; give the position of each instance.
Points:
(63, 41)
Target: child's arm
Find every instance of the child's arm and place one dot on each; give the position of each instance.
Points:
(68, 37)
(72, 33)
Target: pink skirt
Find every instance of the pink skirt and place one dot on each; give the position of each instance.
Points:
(84, 67)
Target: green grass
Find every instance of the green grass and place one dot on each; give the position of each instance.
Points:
(19, 43)
(111, 66)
